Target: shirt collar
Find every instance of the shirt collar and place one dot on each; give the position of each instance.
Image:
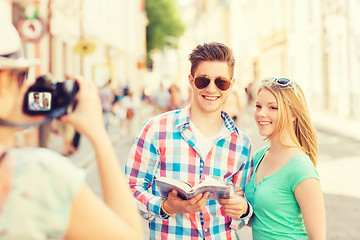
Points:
(183, 120)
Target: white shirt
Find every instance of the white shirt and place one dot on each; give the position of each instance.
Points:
(203, 143)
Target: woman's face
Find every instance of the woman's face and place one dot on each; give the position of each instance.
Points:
(12, 97)
(266, 112)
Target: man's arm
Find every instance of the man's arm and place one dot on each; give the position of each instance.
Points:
(140, 168)
(237, 207)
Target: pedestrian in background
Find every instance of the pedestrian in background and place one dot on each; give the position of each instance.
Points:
(176, 101)
(68, 132)
(249, 93)
(235, 109)
(284, 190)
(107, 98)
(130, 105)
(43, 195)
(190, 144)
(161, 99)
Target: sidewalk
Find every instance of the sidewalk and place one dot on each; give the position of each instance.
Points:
(340, 180)
(325, 122)
(342, 197)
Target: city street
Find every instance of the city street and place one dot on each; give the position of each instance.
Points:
(338, 167)
(140, 52)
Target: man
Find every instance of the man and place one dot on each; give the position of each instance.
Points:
(190, 144)
(107, 98)
(161, 99)
(35, 105)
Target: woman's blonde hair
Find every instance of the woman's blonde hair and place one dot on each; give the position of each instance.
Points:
(292, 104)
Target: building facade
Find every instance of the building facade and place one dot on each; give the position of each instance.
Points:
(101, 40)
(314, 42)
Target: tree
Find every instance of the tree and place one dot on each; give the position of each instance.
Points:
(164, 25)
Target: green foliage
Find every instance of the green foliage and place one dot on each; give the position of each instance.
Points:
(165, 25)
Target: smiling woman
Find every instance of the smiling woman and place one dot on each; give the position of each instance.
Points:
(284, 172)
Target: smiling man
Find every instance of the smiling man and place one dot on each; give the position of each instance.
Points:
(190, 144)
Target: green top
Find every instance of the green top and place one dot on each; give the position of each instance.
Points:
(277, 214)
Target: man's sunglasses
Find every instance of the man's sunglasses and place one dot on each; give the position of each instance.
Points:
(282, 82)
(202, 82)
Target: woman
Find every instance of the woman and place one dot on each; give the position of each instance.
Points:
(284, 189)
(42, 195)
(46, 105)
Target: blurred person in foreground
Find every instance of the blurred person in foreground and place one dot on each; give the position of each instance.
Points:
(43, 195)
(190, 144)
(284, 190)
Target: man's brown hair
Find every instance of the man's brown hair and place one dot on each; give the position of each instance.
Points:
(212, 52)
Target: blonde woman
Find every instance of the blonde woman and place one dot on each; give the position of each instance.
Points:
(284, 189)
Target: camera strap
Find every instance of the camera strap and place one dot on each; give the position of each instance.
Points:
(54, 114)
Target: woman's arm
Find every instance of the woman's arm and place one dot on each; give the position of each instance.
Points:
(310, 199)
(90, 217)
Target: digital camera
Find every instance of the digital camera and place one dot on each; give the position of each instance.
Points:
(45, 97)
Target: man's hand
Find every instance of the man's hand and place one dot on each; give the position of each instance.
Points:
(239, 191)
(235, 206)
(175, 204)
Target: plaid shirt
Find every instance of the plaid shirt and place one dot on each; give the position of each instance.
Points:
(166, 147)
(35, 106)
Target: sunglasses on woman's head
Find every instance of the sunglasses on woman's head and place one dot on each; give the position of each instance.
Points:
(203, 81)
(282, 82)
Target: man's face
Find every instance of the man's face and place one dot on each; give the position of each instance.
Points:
(211, 98)
(36, 98)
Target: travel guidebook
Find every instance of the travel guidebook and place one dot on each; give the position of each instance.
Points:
(186, 191)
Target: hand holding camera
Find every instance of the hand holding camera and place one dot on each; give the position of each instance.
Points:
(75, 102)
(87, 116)
(51, 99)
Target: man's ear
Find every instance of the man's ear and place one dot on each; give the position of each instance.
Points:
(191, 80)
(232, 81)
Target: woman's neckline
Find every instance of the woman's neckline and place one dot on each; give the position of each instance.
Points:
(274, 173)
